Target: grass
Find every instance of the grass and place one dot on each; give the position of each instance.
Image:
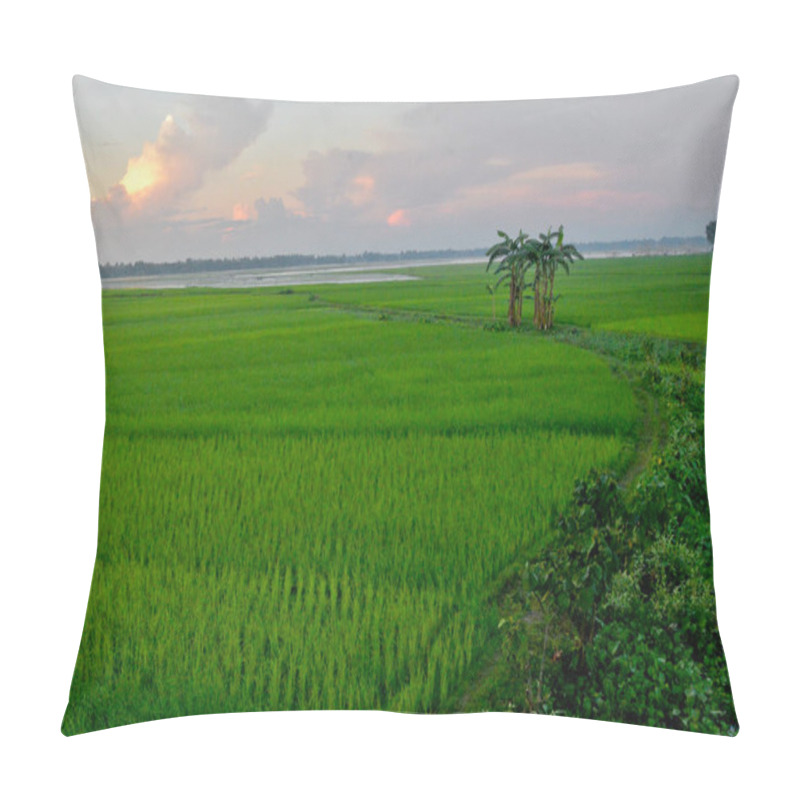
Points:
(306, 508)
(305, 505)
(662, 295)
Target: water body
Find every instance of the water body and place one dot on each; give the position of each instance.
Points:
(252, 278)
(320, 273)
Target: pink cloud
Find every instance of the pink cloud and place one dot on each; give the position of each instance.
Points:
(243, 212)
(398, 218)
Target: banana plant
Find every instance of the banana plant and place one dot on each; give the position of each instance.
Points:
(553, 255)
(512, 263)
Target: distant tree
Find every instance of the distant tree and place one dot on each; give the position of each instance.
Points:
(711, 231)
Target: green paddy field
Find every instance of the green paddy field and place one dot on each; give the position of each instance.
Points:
(311, 496)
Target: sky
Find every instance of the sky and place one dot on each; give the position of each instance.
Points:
(177, 176)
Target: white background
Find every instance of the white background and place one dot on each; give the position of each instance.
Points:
(52, 385)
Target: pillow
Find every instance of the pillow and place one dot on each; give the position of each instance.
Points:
(404, 407)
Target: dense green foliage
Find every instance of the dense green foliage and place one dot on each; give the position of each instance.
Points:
(308, 508)
(626, 593)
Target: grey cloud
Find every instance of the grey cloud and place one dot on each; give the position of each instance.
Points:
(330, 180)
(205, 134)
(219, 128)
(271, 212)
(610, 167)
(664, 148)
(201, 135)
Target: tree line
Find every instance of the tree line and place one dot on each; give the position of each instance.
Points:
(189, 265)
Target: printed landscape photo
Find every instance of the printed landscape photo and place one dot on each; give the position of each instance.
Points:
(404, 407)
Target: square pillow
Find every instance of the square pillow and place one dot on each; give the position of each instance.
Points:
(404, 407)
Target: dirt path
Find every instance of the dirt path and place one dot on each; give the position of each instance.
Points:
(649, 440)
(647, 444)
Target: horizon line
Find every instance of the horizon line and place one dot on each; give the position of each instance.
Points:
(428, 252)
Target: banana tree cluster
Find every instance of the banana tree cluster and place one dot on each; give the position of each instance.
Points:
(513, 259)
(514, 262)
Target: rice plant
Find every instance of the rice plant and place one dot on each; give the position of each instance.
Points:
(307, 508)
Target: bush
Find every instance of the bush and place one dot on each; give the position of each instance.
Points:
(626, 595)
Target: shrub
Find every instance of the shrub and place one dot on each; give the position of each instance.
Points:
(627, 595)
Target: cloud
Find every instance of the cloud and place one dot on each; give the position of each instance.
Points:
(429, 175)
(432, 160)
(243, 212)
(605, 167)
(203, 135)
(336, 182)
(271, 212)
(147, 205)
(398, 218)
